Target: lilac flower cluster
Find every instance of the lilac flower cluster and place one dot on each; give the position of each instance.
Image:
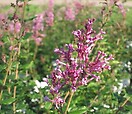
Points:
(74, 68)
(15, 26)
(120, 6)
(38, 23)
(70, 13)
(12, 27)
(78, 6)
(122, 10)
(49, 15)
(37, 27)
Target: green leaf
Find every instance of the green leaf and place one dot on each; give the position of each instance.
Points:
(30, 19)
(28, 66)
(2, 67)
(78, 111)
(27, 36)
(8, 101)
(47, 105)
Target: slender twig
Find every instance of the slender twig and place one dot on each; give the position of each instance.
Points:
(66, 95)
(9, 64)
(35, 52)
(14, 93)
(18, 54)
(124, 103)
(71, 95)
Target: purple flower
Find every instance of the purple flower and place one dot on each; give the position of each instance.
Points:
(74, 68)
(58, 101)
(78, 33)
(46, 98)
(100, 63)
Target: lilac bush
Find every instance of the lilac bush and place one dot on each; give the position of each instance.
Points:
(74, 68)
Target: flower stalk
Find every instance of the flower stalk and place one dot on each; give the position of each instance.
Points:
(69, 101)
(18, 53)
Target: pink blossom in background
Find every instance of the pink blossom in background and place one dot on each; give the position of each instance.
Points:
(38, 23)
(70, 14)
(49, 18)
(120, 6)
(49, 15)
(78, 6)
(38, 27)
(122, 10)
(13, 48)
(113, 1)
(15, 27)
(38, 40)
(11, 26)
(51, 5)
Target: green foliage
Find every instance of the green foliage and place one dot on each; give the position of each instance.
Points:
(36, 62)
